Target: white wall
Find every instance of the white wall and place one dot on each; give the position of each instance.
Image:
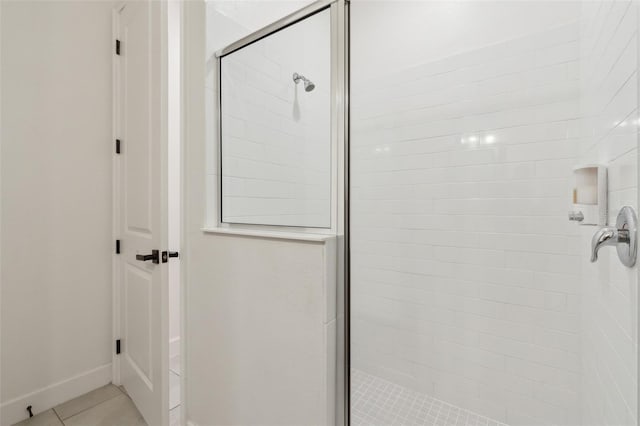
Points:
(261, 331)
(465, 270)
(229, 21)
(395, 34)
(56, 202)
(609, 83)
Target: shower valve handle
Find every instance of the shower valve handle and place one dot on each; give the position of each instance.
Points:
(622, 236)
(607, 236)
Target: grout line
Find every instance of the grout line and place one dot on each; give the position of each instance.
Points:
(58, 416)
(91, 407)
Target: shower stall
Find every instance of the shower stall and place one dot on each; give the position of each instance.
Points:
(473, 298)
(477, 161)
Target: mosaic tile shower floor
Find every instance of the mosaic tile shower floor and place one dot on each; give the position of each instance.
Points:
(375, 401)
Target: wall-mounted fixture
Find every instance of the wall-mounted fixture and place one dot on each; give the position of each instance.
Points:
(308, 84)
(589, 195)
(623, 236)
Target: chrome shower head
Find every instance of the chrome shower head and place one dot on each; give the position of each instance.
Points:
(308, 84)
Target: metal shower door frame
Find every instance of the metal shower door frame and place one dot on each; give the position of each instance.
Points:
(340, 131)
(336, 8)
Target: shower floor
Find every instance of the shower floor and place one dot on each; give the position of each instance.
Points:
(375, 401)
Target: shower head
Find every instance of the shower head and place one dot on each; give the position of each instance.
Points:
(308, 84)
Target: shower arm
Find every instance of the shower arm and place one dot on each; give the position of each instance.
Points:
(297, 77)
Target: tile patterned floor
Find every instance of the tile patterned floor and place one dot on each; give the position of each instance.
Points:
(374, 402)
(107, 406)
(378, 402)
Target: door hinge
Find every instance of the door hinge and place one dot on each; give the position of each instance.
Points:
(117, 47)
(117, 146)
(118, 347)
(117, 246)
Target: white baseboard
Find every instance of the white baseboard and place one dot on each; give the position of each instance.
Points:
(174, 347)
(48, 397)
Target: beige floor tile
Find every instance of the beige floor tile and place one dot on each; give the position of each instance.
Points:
(86, 401)
(118, 411)
(174, 417)
(46, 418)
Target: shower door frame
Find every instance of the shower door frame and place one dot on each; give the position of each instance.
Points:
(337, 39)
(340, 131)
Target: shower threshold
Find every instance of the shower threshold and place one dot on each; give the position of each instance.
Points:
(375, 401)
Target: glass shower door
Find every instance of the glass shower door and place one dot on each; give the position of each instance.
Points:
(473, 298)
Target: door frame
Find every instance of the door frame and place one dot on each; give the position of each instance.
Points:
(116, 261)
(175, 11)
(115, 194)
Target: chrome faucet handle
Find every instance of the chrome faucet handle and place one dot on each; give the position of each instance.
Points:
(607, 236)
(623, 236)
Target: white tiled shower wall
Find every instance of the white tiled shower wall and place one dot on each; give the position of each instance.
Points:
(469, 283)
(609, 89)
(465, 273)
(277, 137)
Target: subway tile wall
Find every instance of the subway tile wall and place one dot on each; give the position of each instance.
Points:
(465, 270)
(276, 136)
(609, 103)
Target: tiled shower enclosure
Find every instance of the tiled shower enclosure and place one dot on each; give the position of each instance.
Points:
(469, 285)
(473, 299)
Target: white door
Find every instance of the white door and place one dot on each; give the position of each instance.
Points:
(142, 290)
